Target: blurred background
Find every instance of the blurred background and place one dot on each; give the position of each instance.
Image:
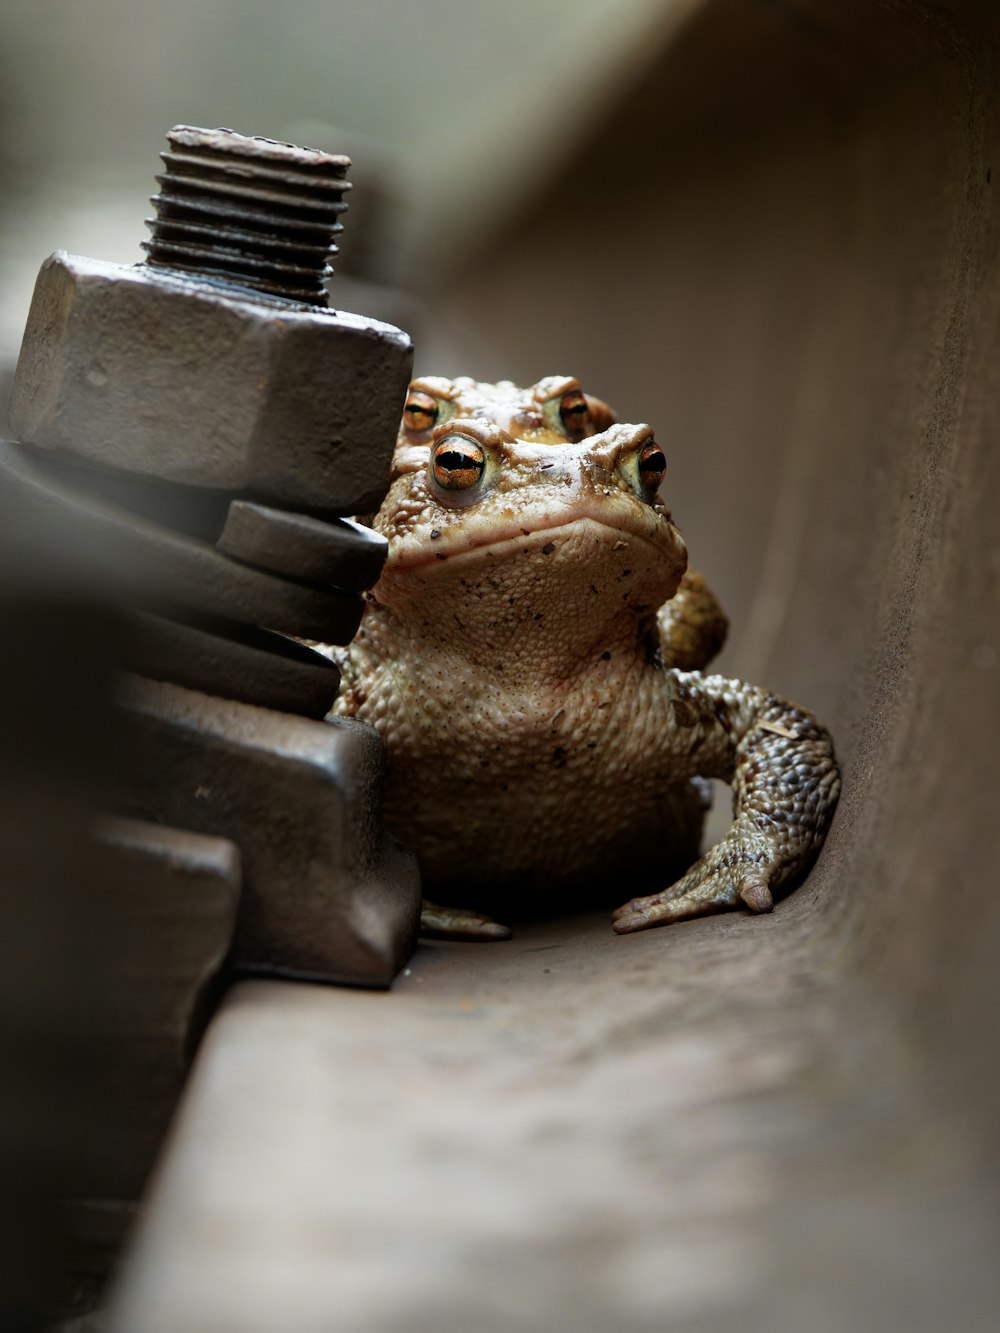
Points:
(451, 111)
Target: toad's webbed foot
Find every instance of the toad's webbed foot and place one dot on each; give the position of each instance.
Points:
(459, 923)
(736, 870)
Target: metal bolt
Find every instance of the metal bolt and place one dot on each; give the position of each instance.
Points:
(250, 212)
(217, 362)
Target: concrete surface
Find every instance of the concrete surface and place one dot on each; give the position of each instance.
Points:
(693, 1128)
(782, 248)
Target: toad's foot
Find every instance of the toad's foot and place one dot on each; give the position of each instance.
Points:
(459, 923)
(718, 881)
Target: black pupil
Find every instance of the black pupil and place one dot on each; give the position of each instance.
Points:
(573, 411)
(454, 461)
(418, 410)
(653, 466)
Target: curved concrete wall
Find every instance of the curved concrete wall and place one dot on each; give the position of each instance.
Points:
(782, 250)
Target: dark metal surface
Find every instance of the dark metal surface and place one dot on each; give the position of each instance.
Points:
(199, 383)
(188, 379)
(327, 895)
(154, 567)
(197, 511)
(339, 552)
(170, 899)
(147, 399)
(57, 733)
(236, 662)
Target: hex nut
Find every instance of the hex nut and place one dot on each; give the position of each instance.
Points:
(345, 554)
(234, 662)
(147, 565)
(200, 383)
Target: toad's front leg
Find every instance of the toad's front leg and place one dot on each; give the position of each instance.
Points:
(785, 782)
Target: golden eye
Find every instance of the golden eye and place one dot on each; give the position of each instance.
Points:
(574, 412)
(420, 412)
(458, 463)
(652, 466)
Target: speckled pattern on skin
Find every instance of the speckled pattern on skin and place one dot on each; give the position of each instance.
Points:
(532, 657)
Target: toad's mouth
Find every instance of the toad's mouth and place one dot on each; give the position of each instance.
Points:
(653, 530)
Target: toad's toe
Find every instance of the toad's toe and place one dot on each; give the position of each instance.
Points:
(459, 923)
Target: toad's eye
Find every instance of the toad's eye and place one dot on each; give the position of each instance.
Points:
(458, 463)
(652, 466)
(574, 413)
(420, 412)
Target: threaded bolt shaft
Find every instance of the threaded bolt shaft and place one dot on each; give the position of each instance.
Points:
(250, 212)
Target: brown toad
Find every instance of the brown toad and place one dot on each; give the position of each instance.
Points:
(532, 657)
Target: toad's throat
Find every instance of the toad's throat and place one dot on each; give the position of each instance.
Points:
(505, 539)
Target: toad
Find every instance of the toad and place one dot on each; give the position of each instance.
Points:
(533, 656)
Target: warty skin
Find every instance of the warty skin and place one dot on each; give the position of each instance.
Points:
(532, 657)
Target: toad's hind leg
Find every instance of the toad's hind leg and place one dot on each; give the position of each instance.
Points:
(785, 781)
